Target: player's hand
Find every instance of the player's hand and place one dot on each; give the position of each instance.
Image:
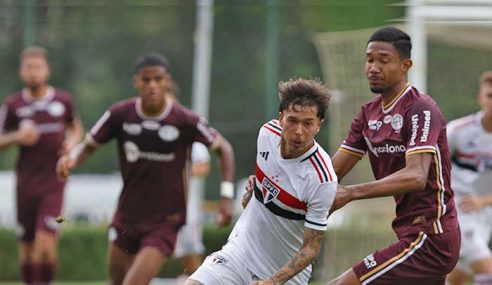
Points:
(224, 216)
(64, 166)
(470, 203)
(264, 282)
(248, 191)
(342, 197)
(27, 134)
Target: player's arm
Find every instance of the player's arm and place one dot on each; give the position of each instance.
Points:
(304, 257)
(226, 164)
(25, 135)
(75, 131)
(200, 169)
(343, 161)
(409, 179)
(77, 155)
(473, 202)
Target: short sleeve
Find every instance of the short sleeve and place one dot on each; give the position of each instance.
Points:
(319, 204)
(423, 124)
(103, 130)
(70, 106)
(354, 143)
(203, 133)
(8, 120)
(451, 136)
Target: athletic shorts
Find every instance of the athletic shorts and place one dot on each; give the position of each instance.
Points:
(38, 212)
(189, 241)
(217, 269)
(131, 239)
(476, 230)
(421, 259)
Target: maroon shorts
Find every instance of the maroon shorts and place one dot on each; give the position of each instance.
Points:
(38, 212)
(416, 259)
(131, 240)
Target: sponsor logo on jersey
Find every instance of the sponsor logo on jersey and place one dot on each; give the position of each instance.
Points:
(50, 128)
(370, 262)
(387, 148)
(55, 109)
(201, 126)
(415, 127)
(264, 154)
(374, 125)
(397, 122)
(217, 259)
(24, 112)
(387, 119)
(427, 122)
(168, 133)
(132, 129)
(151, 125)
(269, 191)
(132, 154)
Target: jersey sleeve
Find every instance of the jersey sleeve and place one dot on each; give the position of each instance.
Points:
(103, 130)
(423, 123)
(451, 136)
(70, 106)
(199, 153)
(8, 120)
(318, 205)
(354, 143)
(203, 133)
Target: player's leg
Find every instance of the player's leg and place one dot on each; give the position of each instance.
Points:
(458, 277)
(483, 271)
(191, 263)
(26, 224)
(189, 247)
(119, 264)
(145, 266)
(347, 278)
(25, 261)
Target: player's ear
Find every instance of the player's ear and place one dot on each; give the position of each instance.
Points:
(280, 117)
(135, 80)
(406, 64)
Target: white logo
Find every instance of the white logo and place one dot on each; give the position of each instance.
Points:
(427, 122)
(269, 191)
(415, 126)
(374, 125)
(370, 262)
(201, 126)
(132, 129)
(387, 119)
(55, 109)
(133, 153)
(387, 148)
(25, 111)
(151, 125)
(168, 133)
(397, 122)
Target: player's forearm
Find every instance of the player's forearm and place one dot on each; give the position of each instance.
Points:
(75, 133)
(304, 257)
(486, 199)
(7, 140)
(81, 152)
(226, 155)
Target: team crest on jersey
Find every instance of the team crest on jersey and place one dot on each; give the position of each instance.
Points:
(168, 133)
(55, 109)
(270, 192)
(397, 122)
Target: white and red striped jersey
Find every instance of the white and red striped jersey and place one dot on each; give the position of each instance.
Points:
(471, 154)
(289, 195)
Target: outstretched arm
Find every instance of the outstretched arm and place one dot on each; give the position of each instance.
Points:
(74, 133)
(305, 256)
(226, 163)
(75, 157)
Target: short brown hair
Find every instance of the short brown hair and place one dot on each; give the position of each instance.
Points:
(486, 77)
(34, 51)
(304, 92)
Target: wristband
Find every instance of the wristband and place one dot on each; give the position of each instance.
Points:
(227, 189)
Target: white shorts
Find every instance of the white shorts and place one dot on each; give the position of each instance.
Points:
(476, 230)
(189, 240)
(218, 269)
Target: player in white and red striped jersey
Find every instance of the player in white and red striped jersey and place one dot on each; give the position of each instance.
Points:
(279, 234)
(470, 143)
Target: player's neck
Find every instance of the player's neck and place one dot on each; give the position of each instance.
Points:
(38, 92)
(154, 111)
(487, 122)
(390, 94)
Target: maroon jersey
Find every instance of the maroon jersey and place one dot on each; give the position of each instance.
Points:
(154, 153)
(36, 167)
(409, 124)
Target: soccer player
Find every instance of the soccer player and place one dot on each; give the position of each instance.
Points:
(279, 234)
(189, 245)
(41, 120)
(404, 133)
(154, 136)
(470, 143)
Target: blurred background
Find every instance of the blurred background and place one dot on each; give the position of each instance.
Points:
(227, 57)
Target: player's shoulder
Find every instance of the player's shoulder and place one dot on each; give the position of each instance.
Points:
(13, 98)
(419, 99)
(462, 123)
(271, 128)
(318, 164)
(183, 112)
(123, 105)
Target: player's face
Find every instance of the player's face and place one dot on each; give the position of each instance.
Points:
(34, 71)
(152, 83)
(300, 124)
(385, 69)
(485, 98)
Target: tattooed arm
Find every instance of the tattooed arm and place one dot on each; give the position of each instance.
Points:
(305, 256)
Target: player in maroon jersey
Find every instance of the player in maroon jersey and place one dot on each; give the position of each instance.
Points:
(404, 133)
(154, 135)
(41, 120)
